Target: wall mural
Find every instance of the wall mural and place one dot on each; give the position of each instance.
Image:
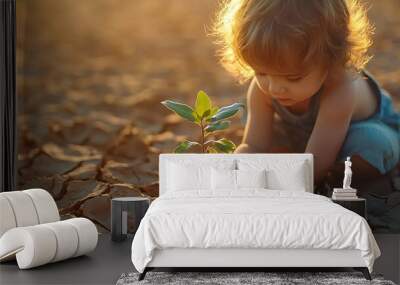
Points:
(91, 77)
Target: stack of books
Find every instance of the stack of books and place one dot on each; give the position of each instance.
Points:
(344, 194)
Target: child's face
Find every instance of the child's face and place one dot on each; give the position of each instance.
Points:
(291, 87)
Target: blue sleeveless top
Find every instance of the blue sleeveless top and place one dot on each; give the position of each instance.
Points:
(298, 127)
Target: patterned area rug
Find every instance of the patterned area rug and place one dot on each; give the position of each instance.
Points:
(231, 278)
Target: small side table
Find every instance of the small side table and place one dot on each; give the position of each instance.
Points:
(357, 205)
(135, 207)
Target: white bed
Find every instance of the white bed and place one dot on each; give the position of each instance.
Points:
(249, 227)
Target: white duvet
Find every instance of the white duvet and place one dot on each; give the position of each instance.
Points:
(251, 218)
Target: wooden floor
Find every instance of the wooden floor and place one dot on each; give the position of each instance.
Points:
(103, 266)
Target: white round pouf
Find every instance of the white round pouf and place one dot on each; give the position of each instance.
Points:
(23, 208)
(67, 240)
(31, 230)
(87, 234)
(45, 205)
(7, 220)
(40, 244)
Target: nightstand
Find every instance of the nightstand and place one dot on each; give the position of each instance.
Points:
(357, 205)
(124, 209)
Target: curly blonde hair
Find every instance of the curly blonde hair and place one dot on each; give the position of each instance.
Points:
(291, 33)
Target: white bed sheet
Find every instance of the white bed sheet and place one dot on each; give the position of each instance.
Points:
(251, 218)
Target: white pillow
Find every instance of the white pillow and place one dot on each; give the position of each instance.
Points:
(251, 178)
(281, 175)
(185, 175)
(293, 179)
(181, 177)
(237, 179)
(223, 179)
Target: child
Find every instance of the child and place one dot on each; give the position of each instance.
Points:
(305, 60)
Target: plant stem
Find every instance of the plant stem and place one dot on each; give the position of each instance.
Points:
(202, 136)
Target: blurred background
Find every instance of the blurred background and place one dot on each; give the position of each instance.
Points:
(92, 74)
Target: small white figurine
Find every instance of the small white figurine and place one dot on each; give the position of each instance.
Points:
(347, 174)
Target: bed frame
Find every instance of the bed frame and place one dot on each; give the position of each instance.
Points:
(242, 259)
(246, 258)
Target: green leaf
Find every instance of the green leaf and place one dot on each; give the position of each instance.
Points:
(226, 112)
(209, 142)
(224, 145)
(214, 110)
(206, 113)
(203, 103)
(197, 118)
(210, 149)
(184, 146)
(182, 110)
(217, 126)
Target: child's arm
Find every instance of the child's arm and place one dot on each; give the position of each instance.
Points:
(258, 130)
(330, 129)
